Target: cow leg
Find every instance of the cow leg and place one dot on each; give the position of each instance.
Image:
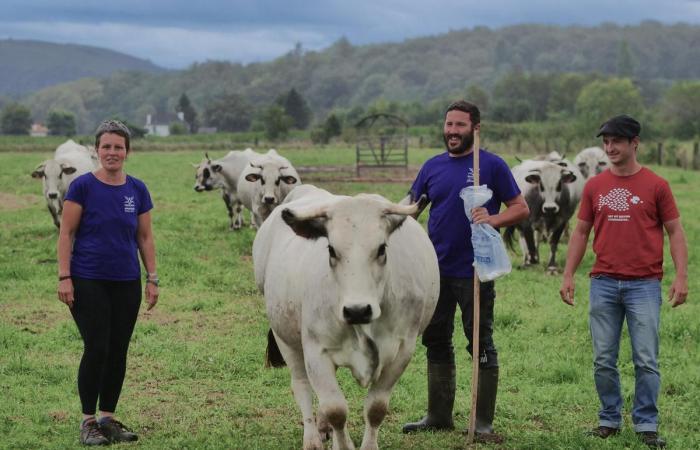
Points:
(227, 201)
(332, 405)
(302, 394)
(55, 217)
(532, 255)
(238, 222)
(553, 243)
(377, 401)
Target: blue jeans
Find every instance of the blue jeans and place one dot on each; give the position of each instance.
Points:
(639, 301)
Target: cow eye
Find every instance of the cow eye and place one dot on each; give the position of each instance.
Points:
(206, 173)
(331, 252)
(381, 251)
(277, 182)
(262, 181)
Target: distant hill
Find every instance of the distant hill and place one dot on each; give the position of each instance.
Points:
(27, 66)
(418, 71)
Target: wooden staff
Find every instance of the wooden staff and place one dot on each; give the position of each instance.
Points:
(476, 315)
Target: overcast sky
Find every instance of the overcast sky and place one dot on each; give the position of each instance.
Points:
(176, 33)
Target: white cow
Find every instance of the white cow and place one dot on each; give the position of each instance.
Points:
(591, 161)
(552, 192)
(69, 162)
(265, 183)
(224, 174)
(348, 282)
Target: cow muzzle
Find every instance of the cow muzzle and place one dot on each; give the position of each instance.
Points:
(269, 200)
(357, 314)
(550, 209)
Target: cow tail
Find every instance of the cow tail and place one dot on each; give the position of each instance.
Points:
(508, 237)
(273, 356)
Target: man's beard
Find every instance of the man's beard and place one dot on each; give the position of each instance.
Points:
(465, 146)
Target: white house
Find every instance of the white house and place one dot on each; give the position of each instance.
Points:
(159, 124)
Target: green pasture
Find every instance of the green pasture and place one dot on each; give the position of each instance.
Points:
(196, 379)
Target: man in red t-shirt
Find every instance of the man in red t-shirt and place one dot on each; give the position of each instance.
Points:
(628, 207)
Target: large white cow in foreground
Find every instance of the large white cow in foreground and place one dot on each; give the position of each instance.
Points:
(348, 282)
(265, 183)
(69, 162)
(224, 174)
(591, 161)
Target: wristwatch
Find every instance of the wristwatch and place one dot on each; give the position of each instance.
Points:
(152, 278)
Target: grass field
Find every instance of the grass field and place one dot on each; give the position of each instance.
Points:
(196, 378)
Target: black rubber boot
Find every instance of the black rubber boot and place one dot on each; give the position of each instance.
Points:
(487, 388)
(441, 399)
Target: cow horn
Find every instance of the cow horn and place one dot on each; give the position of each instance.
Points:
(407, 210)
(206, 154)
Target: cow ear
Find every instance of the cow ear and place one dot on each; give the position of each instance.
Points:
(309, 228)
(533, 178)
(253, 177)
(288, 179)
(68, 170)
(39, 171)
(216, 167)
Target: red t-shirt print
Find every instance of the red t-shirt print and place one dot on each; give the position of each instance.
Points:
(628, 215)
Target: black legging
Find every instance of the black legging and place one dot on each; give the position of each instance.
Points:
(105, 312)
(437, 337)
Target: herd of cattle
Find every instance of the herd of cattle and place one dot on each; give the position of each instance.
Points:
(348, 281)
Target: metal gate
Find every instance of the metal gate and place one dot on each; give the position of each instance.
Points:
(382, 142)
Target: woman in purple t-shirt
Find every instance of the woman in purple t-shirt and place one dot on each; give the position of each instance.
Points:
(106, 223)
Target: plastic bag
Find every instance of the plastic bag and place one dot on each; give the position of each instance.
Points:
(490, 257)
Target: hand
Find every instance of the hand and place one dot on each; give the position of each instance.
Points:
(65, 292)
(678, 293)
(151, 292)
(480, 215)
(566, 291)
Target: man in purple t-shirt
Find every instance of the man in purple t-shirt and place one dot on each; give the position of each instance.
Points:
(441, 179)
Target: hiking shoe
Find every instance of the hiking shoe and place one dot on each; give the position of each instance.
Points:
(90, 434)
(602, 432)
(116, 431)
(652, 439)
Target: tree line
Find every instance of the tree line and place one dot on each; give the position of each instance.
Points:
(569, 104)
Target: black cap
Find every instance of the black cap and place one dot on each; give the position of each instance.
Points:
(623, 125)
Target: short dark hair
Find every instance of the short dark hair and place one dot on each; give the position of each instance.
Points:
(115, 127)
(466, 107)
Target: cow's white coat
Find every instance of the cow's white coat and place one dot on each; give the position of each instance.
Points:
(310, 285)
(70, 160)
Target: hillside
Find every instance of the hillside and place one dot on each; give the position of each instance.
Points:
(27, 66)
(416, 70)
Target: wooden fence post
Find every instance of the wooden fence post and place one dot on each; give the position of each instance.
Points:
(696, 156)
(660, 154)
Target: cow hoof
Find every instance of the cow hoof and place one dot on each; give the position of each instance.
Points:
(552, 271)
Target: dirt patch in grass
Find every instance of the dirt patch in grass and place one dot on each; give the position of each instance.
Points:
(11, 202)
(33, 319)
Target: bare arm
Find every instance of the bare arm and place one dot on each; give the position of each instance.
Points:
(70, 220)
(574, 255)
(678, 293)
(516, 211)
(147, 249)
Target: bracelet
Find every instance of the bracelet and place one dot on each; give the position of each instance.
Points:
(63, 277)
(152, 275)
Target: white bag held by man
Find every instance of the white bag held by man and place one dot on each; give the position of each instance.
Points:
(490, 257)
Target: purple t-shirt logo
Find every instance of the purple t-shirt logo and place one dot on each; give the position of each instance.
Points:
(129, 205)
